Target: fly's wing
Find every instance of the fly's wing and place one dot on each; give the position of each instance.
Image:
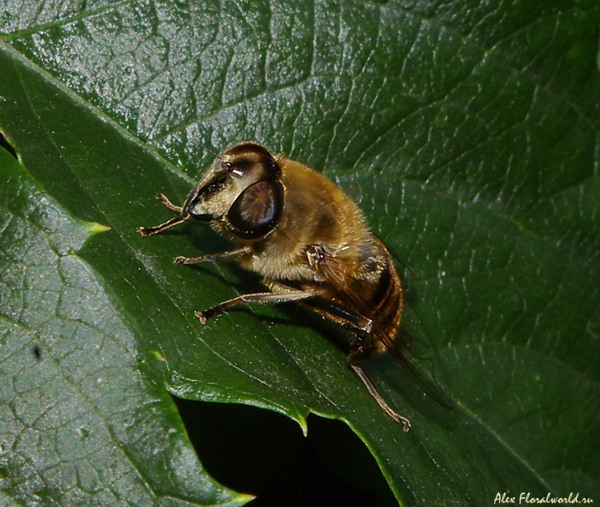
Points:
(422, 361)
(337, 301)
(355, 298)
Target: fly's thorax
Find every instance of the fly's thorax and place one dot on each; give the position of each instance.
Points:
(316, 210)
(316, 215)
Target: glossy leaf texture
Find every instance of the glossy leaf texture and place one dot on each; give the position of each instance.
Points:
(83, 418)
(467, 132)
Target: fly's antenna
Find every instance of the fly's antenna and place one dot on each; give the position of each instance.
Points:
(214, 154)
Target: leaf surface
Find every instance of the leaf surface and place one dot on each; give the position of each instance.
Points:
(469, 136)
(83, 417)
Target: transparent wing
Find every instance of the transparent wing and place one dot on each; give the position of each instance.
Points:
(426, 368)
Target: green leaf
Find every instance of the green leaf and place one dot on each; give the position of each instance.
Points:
(467, 133)
(83, 419)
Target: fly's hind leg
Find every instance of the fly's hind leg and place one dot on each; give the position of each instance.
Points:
(356, 359)
(362, 326)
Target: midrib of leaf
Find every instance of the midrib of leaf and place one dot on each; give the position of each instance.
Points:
(77, 99)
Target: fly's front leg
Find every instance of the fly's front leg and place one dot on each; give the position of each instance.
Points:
(258, 297)
(164, 200)
(157, 229)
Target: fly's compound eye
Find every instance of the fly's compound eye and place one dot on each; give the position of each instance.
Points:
(257, 209)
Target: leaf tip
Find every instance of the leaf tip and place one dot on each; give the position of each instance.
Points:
(301, 420)
(155, 355)
(95, 228)
(244, 498)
